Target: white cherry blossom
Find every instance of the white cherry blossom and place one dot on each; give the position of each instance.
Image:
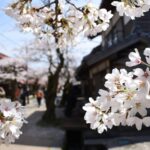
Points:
(117, 78)
(132, 8)
(146, 121)
(126, 100)
(11, 120)
(142, 75)
(135, 121)
(135, 59)
(147, 54)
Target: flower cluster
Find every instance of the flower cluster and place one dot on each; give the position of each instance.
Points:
(11, 120)
(62, 23)
(93, 20)
(127, 99)
(132, 8)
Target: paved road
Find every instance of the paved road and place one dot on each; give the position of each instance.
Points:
(35, 137)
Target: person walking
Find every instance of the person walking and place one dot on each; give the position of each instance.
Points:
(23, 95)
(39, 96)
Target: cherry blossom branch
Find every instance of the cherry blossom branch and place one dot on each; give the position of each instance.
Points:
(126, 100)
(77, 8)
(146, 64)
(11, 120)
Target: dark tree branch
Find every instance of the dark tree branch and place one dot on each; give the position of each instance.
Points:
(69, 2)
(47, 5)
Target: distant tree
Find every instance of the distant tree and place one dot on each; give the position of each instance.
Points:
(12, 70)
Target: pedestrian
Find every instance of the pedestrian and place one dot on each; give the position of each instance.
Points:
(39, 96)
(23, 95)
(27, 95)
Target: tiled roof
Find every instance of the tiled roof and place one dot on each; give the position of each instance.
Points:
(103, 54)
(2, 56)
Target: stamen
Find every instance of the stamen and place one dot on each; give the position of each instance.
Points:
(133, 3)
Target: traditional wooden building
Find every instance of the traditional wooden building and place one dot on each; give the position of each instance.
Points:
(118, 41)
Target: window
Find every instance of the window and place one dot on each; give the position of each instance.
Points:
(116, 34)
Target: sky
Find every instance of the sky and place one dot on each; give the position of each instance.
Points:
(12, 39)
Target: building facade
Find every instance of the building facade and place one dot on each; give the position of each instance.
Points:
(122, 36)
